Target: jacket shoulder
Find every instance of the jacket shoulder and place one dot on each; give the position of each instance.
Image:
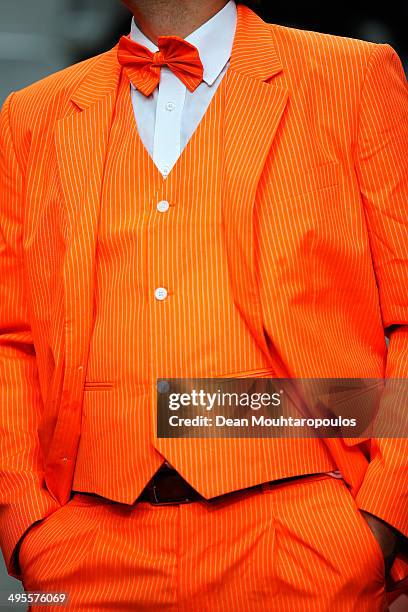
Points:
(309, 50)
(64, 80)
(52, 93)
(36, 107)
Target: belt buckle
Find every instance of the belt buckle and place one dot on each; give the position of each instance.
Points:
(158, 502)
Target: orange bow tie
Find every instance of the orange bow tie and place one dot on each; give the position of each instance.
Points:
(143, 67)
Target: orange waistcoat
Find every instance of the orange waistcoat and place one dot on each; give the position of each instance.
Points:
(197, 331)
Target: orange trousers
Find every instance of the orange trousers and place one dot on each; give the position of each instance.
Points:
(299, 546)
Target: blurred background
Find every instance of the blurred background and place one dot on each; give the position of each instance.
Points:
(38, 38)
(42, 36)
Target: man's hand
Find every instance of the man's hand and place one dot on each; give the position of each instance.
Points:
(386, 536)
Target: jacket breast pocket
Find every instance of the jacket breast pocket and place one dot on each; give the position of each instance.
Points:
(300, 182)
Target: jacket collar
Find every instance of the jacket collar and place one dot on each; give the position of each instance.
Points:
(253, 51)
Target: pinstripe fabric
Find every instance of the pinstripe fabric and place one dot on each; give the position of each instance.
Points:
(313, 237)
(280, 550)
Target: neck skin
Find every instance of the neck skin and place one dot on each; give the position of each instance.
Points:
(172, 17)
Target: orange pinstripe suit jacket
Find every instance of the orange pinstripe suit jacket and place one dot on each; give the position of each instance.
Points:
(328, 116)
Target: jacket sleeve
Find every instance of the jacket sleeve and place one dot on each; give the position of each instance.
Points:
(24, 498)
(381, 163)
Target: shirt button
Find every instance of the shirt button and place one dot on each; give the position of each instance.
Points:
(170, 106)
(80, 368)
(160, 293)
(165, 170)
(163, 206)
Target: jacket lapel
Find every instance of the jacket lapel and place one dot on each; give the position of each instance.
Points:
(81, 142)
(254, 110)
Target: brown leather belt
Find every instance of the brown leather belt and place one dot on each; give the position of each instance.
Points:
(168, 487)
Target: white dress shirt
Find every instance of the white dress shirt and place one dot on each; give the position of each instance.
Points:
(168, 118)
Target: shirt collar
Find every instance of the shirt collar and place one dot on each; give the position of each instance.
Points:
(213, 39)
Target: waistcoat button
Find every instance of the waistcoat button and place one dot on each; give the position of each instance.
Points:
(163, 206)
(160, 293)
